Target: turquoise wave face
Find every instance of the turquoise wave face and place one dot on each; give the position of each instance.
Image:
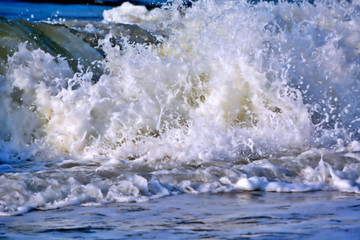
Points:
(70, 40)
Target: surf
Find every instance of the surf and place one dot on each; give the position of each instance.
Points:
(216, 97)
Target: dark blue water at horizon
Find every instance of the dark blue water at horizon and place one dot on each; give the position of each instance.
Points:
(32, 11)
(35, 10)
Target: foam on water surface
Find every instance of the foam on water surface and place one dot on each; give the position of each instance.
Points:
(222, 96)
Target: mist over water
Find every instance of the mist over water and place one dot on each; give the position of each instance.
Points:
(221, 96)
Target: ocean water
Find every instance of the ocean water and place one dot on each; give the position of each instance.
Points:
(247, 111)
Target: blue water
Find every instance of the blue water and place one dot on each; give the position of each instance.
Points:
(32, 11)
(254, 215)
(217, 119)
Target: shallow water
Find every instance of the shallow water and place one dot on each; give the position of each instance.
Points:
(248, 215)
(222, 103)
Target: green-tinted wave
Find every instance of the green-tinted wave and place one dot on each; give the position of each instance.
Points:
(73, 40)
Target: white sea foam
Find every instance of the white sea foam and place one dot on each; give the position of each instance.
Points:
(237, 97)
(132, 14)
